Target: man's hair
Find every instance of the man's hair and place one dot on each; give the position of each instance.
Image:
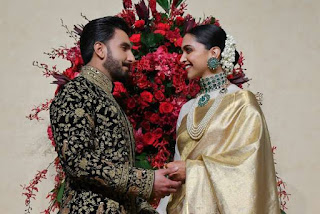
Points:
(99, 30)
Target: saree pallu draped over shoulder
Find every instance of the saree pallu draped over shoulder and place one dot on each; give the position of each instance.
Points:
(230, 170)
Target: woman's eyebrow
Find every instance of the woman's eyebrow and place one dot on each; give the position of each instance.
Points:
(186, 46)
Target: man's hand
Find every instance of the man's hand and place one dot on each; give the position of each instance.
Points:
(179, 175)
(163, 186)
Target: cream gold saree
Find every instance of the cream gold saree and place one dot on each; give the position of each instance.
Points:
(230, 170)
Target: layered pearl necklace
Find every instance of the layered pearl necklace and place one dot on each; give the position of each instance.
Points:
(213, 83)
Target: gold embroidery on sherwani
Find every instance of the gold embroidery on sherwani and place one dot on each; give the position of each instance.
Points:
(101, 208)
(95, 144)
(230, 170)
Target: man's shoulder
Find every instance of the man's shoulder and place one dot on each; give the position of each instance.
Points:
(77, 85)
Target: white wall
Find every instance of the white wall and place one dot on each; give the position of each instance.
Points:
(281, 46)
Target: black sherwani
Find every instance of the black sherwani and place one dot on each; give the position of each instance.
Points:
(95, 144)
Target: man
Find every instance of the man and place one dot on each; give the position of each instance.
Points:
(94, 139)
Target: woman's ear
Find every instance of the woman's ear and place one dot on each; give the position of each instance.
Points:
(215, 52)
(100, 49)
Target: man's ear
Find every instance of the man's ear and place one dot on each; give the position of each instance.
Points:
(215, 52)
(100, 50)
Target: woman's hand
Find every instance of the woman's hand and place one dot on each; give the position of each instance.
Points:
(179, 175)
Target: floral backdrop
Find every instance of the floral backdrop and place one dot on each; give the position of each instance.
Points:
(155, 93)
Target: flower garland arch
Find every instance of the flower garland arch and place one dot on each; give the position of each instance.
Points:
(158, 86)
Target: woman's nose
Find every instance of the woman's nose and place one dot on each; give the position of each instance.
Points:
(183, 58)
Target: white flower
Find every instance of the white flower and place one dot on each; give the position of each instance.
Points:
(228, 55)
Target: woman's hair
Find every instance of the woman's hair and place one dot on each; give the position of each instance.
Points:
(211, 36)
(99, 30)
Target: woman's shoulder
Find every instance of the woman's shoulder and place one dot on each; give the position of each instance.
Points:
(246, 98)
(246, 95)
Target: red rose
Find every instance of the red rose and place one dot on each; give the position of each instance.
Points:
(158, 133)
(139, 23)
(143, 82)
(178, 42)
(118, 89)
(162, 32)
(145, 125)
(154, 118)
(131, 103)
(135, 38)
(177, 80)
(154, 86)
(147, 115)
(179, 20)
(162, 26)
(162, 76)
(158, 80)
(165, 107)
(149, 138)
(159, 95)
(146, 96)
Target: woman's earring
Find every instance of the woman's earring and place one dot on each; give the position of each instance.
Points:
(212, 63)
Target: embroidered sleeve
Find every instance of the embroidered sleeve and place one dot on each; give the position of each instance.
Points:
(86, 157)
(144, 207)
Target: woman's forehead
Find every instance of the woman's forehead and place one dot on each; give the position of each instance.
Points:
(190, 40)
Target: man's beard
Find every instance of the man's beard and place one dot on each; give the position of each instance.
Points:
(114, 67)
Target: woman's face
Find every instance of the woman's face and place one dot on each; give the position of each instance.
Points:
(194, 57)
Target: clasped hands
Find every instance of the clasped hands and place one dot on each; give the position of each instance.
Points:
(169, 180)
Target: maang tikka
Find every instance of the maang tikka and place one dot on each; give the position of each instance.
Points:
(212, 63)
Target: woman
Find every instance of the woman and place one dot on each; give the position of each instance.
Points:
(223, 148)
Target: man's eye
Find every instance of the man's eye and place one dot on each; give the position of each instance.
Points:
(188, 50)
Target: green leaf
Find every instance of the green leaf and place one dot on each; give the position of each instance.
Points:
(60, 192)
(142, 161)
(151, 40)
(164, 4)
(282, 212)
(179, 2)
(147, 39)
(158, 38)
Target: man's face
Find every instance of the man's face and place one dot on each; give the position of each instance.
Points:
(119, 56)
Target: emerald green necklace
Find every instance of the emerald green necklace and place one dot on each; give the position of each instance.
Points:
(208, 84)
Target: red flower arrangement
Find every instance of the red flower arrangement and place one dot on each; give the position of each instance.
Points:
(157, 89)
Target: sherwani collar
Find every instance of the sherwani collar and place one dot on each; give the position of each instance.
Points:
(97, 77)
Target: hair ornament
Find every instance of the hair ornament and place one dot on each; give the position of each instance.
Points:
(228, 55)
